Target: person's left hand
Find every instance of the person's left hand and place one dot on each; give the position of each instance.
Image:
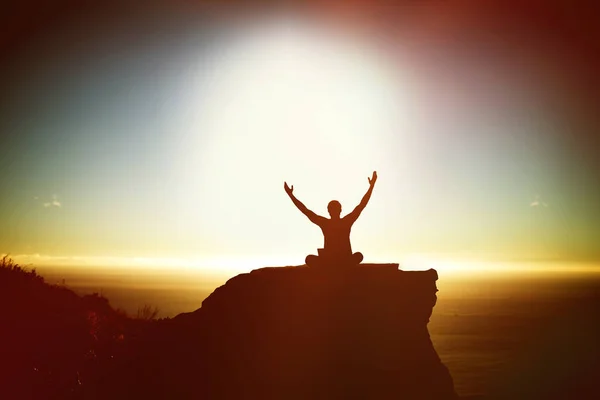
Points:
(373, 178)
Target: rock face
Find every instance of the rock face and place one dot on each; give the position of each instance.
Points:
(298, 332)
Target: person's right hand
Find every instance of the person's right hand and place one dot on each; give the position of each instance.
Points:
(288, 190)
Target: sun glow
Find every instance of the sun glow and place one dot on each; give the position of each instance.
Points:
(289, 103)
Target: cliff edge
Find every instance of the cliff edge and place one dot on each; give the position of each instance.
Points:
(300, 332)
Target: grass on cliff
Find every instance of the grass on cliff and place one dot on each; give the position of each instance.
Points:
(58, 343)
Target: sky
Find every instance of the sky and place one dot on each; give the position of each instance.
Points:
(165, 133)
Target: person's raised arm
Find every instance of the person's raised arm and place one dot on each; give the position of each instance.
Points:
(353, 216)
(314, 218)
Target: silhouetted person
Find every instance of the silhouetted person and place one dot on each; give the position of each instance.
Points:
(336, 231)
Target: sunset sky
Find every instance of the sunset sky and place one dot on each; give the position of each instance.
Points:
(137, 135)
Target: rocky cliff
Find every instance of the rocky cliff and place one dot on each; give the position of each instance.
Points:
(297, 332)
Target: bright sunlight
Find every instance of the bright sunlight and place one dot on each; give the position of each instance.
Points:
(296, 104)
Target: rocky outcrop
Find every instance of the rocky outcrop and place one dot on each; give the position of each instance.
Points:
(298, 332)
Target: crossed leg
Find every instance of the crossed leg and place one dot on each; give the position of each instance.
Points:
(320, 261)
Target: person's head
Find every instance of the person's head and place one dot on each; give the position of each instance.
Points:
(335, 208)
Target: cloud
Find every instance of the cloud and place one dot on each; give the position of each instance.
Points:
(538, 203)
(54, 203)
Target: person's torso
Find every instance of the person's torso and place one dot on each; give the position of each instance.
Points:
(337, 236)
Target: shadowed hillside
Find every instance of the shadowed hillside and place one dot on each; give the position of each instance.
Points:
(292, 332)
(277, 333)
(55, 344)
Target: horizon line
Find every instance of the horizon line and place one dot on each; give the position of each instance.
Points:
(445, 262)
